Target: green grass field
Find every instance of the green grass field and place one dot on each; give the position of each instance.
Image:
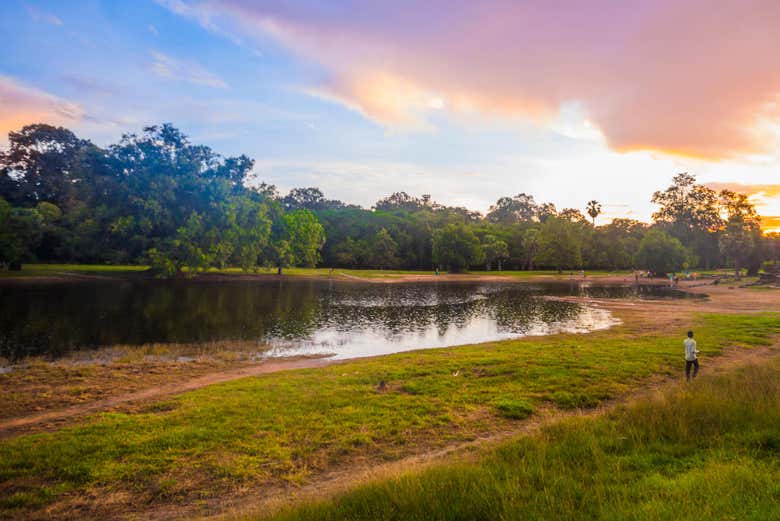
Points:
(708, 451)
(286, 427)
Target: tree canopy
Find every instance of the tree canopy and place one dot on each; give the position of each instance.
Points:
(157, 198)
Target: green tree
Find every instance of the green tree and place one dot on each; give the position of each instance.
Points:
(20, 232)
(494, 250)
(739, 241)
(456, 247)
(306, 237)
(690, 212)
(594, 210)
(384, 250)
(512, 210)
(661, 253)
(559, 244)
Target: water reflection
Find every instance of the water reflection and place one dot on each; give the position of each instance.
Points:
(291, 316)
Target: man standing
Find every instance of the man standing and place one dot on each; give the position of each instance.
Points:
(690, 357)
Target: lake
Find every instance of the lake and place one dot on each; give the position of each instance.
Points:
(291, 317)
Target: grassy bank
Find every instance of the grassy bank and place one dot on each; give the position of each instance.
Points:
(287, 427)
(52, 270)
(710, 450)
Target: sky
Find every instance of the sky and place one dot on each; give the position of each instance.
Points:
(466, 101)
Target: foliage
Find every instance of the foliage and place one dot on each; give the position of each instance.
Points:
(153, 197)
(156, 198)
(495, 250)
(660, 253)
(560, 245)
(594, 210)
(456, 247)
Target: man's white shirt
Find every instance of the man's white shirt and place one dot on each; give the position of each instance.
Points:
(690, 349)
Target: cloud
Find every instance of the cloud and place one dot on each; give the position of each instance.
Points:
(696, 78)
(770, 223)
(769, 191)
(22, 105)
(191, 72)
(41, 16)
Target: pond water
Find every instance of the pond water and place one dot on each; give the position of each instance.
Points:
(289, 317)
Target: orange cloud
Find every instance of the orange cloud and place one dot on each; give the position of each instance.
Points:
(697, 78)
(22, 105)
(770, 224)
(769, 191)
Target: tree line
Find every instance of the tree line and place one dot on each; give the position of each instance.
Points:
(155, 198)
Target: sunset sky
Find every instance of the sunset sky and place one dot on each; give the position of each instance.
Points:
(467, 101)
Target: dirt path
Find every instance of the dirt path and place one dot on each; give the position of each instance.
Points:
(50, 419)
(343, 479)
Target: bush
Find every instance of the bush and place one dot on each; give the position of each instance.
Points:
(515, 409)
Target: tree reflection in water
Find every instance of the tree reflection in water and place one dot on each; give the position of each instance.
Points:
(292, 316)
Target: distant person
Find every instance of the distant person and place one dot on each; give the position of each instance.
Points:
(690, 357)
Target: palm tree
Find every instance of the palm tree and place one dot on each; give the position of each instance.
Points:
(594, 209)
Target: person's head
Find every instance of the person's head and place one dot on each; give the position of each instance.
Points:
(690, 334)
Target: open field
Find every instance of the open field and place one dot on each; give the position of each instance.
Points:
(251, 439)
(704, 451)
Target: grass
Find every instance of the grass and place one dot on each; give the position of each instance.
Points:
(49, 270)
(710, 450)
(43, 270)
(39, 385)
(286, 427)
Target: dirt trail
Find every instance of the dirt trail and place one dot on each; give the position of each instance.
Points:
(343, 479)
(13, 426)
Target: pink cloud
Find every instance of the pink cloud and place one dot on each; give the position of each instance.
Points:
(698, 78)
(22, 105)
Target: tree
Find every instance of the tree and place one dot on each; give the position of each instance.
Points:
(304, 199)
(513, 210)
(306, 237)
(384, 250)
(618, 243)
(774, 241)
(405, 202)
(594, 210)
(20, 232)
(738, 241)
(456, 247)
(661, 253)
(546, 211)
(495, 250)
(572, 215)
(530, 244)
(41, 164)
(559, 244)
(690, 212)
